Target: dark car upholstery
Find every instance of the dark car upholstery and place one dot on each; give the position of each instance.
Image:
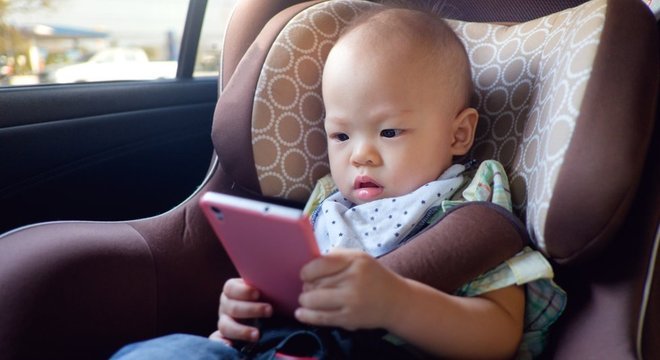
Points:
(83, 289)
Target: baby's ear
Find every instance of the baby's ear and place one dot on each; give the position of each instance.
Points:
(464, 127)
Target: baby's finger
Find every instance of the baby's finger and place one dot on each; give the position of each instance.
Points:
(325, 282)
(239, 290)
(217, 336)
(319, 318)
(233, 330)
(322, 299)
(244, 309)
(323, 266)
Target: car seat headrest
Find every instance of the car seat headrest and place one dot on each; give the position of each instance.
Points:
(537, 85)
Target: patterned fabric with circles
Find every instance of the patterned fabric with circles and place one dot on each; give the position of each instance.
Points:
(287, 123)
(529, 81)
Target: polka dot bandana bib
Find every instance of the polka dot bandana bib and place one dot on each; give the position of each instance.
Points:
(380, 226)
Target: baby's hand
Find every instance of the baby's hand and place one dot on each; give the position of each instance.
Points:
(239, 301)
(349, 289)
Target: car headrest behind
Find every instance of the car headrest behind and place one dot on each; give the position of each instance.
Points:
(565, 102)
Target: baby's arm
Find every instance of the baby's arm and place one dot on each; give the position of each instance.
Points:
(488, 326)
(351, 290)
(239, 301)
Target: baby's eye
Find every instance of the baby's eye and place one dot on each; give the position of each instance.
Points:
(390, 133)
(339, 137)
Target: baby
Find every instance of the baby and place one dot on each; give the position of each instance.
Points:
(396, 88)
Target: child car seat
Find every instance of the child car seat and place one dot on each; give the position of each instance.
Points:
(574, 160)
(82, 289)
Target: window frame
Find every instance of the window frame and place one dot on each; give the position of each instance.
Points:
(189, 45)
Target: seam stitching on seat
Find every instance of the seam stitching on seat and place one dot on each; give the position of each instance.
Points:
(155, 273)
(646, 294)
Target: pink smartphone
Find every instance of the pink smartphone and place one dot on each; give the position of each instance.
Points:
(267, 243)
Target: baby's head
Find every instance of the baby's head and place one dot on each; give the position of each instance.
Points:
(396, 89)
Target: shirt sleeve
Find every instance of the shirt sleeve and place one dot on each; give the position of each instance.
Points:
(525, 267)
(324, 187)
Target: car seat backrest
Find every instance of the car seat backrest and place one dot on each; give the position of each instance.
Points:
(547, 111)
(530, 80)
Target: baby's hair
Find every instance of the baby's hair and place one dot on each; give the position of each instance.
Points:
(419, 24)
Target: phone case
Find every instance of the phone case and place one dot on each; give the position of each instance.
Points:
(267, 243)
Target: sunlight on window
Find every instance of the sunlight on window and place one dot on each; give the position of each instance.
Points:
(67, 41)
(210, 46)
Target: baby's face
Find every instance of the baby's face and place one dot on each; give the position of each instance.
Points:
(387, 129)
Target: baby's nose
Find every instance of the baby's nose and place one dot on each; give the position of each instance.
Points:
(365, 154)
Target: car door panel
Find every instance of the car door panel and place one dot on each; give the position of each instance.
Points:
(105, 151)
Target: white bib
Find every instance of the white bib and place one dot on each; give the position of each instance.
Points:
(380, 226)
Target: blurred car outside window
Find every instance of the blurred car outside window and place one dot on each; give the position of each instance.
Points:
(209, 52)
(70, 41)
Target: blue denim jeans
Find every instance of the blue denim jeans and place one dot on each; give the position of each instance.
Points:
(278, 337)
(177, 346)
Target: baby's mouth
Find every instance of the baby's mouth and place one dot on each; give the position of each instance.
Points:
(366, 189)
(362, 182)
(367, 184)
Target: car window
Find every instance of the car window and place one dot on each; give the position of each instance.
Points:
(210, 44)
(70, 41)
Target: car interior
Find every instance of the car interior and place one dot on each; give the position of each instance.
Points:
(108, 246)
